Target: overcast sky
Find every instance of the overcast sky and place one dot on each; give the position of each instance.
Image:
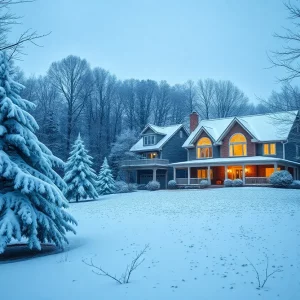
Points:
(162, 40)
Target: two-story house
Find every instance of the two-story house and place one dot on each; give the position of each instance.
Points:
(158, 147)
(249, 148)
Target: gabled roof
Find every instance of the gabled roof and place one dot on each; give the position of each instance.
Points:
(264, 128)
(167, 132)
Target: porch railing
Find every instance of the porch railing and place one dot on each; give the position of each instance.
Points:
(257, 180)
(184, 181)
(144, 162)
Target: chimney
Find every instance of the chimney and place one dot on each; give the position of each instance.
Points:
(194, 121)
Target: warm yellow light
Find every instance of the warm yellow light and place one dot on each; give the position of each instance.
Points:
(246, 170)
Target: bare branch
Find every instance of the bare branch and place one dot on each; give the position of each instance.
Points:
(125, 277)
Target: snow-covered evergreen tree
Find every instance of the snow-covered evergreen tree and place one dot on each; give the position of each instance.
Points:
(106, 184)
(32, 205)
(79, 174)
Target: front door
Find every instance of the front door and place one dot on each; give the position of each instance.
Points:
(237, 173)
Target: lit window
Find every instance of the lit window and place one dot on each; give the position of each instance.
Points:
(202, 174)
(149, 140)
(238, 145)
(270, 149)
(204, 148)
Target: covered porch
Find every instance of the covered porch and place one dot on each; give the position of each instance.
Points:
(252, 171)
(142, 171)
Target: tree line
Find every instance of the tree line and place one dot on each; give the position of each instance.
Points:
(73, 97)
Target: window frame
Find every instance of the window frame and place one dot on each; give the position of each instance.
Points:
(233, 144)
(268, 145)
(206, 149)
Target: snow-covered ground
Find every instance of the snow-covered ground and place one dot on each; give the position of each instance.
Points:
(200, 241)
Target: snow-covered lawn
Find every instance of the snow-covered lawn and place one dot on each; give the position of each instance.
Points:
(200, 241)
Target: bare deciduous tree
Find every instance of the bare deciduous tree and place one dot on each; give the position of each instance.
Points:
(72, 78)
(229, 100)
(7, 20)
(206, 91)
(288, 57)
(191, 95)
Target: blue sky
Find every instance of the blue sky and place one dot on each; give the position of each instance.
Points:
(162, 40)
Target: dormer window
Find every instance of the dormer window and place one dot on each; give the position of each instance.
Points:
(149, 140)
(238, 145)
(204, 148)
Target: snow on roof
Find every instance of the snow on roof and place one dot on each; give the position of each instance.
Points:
(232, 161)
(266, 127)
(167, 131)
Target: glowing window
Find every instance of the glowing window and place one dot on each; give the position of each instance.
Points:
(269, 149)
(238, 145)
(202, 174)
(204, 148)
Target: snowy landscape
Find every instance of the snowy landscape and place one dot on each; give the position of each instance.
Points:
(147, 151)
(200, 245)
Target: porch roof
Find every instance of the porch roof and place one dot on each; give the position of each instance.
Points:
(234, 161)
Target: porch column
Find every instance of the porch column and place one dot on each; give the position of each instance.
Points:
(208, 175)
(154, 174)
(275, 167)
(226, 173)
(189, 175)
(174, 173)
(286, 168)
(295, 173)
(244, 180)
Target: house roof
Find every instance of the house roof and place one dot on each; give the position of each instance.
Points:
(232, 161)
(266, 127)
(167, 132)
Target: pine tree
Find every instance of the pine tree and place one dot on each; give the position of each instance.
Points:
(106, 184)
(79, 175)
(32, 205)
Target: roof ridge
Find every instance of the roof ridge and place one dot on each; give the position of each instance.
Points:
(253, 115)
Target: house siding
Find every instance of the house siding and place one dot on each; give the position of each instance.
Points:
(237, 128)
(260, 150)
(173, 150)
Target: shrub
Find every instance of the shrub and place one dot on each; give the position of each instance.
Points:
(172, 184)
(227, 182)
(203, 184)
(281, 179)
(153, 186)
(141, 187)
(295, 184)
(132, 187)
(121, 187)
(237, 182)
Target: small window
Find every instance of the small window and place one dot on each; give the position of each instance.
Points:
(269, 149)
(181, 134)
(297, 151)
(149, 140)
